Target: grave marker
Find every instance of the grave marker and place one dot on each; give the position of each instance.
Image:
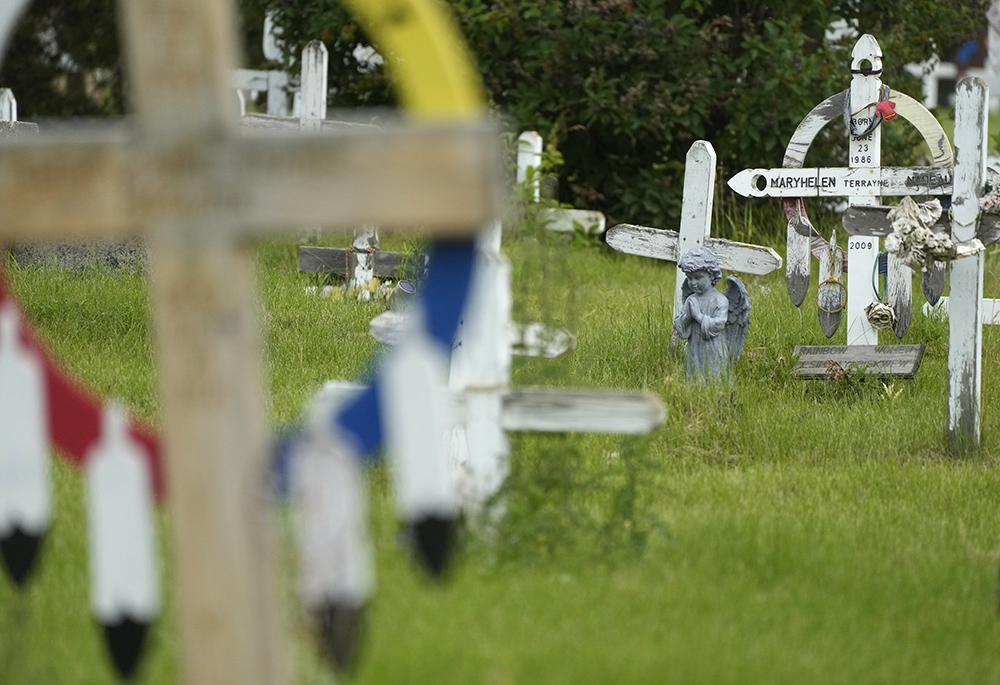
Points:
(696, 224)
(184, 179)
(863, 181)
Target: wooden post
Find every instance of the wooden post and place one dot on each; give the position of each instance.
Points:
(213, 414)
(965, 348)
(864, 152)
(480, 367)
(313, 88)
(183, 178)
(696, 210)
(315, 59)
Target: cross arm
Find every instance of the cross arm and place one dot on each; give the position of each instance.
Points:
(657, 243)
(874, 221)
(443, 178)
(842, 182)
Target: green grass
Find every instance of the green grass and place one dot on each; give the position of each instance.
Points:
(780, 531)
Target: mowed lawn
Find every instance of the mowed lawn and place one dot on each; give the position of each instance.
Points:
(781, 531)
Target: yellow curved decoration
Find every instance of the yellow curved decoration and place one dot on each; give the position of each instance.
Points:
(435, 79)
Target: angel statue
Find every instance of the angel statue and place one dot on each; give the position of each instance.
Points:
(714, 324)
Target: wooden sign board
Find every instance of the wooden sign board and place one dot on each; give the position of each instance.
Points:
(842, 182)
(340, 261)
(827, 362)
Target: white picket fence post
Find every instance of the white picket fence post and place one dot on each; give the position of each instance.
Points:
(965, 331)
(8, 105)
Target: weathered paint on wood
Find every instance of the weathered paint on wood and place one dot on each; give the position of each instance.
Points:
(899, 293)
(989, 313)
(866, 182)
(696, 209)
(799, 227)
(965, 331)
(556, 411)
(340, 261)
(832, 361)
(548, 410)
(656, 243)
(831, 268)
(874, 222)
(400, 178)
(314, 86)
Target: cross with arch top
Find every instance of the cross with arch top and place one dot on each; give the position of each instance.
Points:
(181, 176)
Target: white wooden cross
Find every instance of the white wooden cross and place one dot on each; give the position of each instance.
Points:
(182, 177)
(862, 182)
(486, 407)
(696, 226)
(965, 182)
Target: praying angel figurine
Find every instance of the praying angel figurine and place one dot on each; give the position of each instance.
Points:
(713, 323)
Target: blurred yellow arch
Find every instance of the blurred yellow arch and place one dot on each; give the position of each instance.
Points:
(433, 70)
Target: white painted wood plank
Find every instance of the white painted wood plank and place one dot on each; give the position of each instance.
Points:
(397, 178)
(828, 361)
(843, 181)
(865, 157)
(655, 243)
(989, 313)
(579, 411)
(546, 410)
(696, 208)
(314, 86)
(965, 339)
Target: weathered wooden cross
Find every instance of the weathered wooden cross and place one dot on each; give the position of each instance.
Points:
(966, 307)
(861, 183)
(965, 183)
(696, 226)
(181, 176)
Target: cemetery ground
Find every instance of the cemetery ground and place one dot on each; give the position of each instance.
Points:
(781, 531)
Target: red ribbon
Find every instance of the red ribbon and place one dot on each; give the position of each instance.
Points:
(75, 413)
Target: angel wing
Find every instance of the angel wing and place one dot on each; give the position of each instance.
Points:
(739, 317)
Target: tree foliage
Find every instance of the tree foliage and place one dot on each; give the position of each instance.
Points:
(622, 87)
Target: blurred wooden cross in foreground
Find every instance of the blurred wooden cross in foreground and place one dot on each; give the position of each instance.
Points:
(182, 178)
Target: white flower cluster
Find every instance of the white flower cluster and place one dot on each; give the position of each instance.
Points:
(990, 201)
(880, 315)
(912, 239)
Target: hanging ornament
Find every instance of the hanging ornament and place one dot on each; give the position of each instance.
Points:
(879, 314)
(124, 583)
(25, 501)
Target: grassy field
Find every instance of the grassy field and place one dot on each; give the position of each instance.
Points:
(779, 531)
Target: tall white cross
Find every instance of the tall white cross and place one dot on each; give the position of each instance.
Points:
(861, 181)
(182, 177)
